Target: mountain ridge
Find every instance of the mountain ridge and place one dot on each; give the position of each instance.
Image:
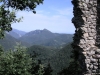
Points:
(8, 42)
(16, 33)
(44, 37)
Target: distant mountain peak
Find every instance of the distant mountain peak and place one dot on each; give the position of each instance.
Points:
(39, 31)
(42, 29)
(45, 29)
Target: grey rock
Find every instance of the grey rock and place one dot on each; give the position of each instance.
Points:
(97, 56)
(94, 71)
(98, 51)
(95, 67)
(90, 38)
(90, 53)
(93, 60)
(91, 66)
(89, 30)
(84, 18)
(93, 30)
(91, 41)
(95, 64)
(90, 34)
(85, 35)
(87, 1)
(87, 61)
(84, 53)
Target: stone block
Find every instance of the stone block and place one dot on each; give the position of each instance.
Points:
(97, 51)
(87, 1)
(87, 61)
(93, 60)
(90, 38)
(90, 34)
(85, 35)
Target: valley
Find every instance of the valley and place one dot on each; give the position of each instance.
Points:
(52, 48)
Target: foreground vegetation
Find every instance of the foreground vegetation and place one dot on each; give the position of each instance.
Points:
(18, 62)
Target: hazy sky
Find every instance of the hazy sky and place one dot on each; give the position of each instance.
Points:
(54, 15)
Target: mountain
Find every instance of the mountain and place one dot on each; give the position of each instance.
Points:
(46, 38)
(9, 42)
(17, 33)
(61, 59)
(59, 41)
(44, 53)
(37, 36)
(58, 58)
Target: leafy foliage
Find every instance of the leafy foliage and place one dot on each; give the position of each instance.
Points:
(28, 5)
(15, 62)
(18, 62)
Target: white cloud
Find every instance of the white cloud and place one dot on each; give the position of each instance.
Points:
(55, 23)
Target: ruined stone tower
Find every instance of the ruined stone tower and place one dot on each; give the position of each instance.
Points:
(87, 34)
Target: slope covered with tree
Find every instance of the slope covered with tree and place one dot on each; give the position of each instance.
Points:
(61, 59)
(46, 38)
(9, 42)
(44, 53)
(58, 59)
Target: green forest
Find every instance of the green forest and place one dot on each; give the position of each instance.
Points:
(39, 52)
(52, 52)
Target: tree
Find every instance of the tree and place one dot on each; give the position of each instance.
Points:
(18, 62)
(15, 62)
(48, 70)
(7, 17)
(72, 69)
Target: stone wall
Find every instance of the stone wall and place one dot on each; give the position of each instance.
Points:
(85, 38)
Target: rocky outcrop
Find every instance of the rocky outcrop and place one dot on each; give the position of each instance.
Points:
(87, 34)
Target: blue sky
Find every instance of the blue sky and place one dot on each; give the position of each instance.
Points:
(54, 15)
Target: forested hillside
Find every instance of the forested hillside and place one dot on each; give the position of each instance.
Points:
(58, 59)
(46, 38)
(61, 59)
(9, 42)
(43, 53)
(49, 48)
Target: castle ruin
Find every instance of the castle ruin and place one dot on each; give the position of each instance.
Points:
(87, 34)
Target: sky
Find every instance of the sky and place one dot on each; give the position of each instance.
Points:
(54, 15)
